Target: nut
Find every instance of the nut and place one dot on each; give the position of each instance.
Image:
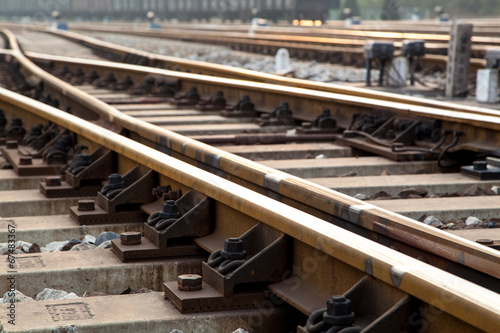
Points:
(480, 165)
(11, 144)
(130, 238)
(86, 205)
(484, 241)
(53, 181)
(189, 282)
(25, 160)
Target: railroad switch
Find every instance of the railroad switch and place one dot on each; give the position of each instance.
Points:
(412, 50)
(120, 199)
(483, 170)
(171, 228)
(82, 176)
(216, 102)
(369, 306)
(243, 109)
(395, 138)
(280, 116)
(381, 51)
(234, 275)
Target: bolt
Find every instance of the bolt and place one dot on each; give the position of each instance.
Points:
(53, 181)
(115, 179)
(83, 159)
(16, 122)
(172, 195)
(233, 249)
(480, 165)
(338, 311)
(25, 160)
(11, 144)
(130, 238)
(171, 210)
(86, 205)
(189, 282)
(484, 241)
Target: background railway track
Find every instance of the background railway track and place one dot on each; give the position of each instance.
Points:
(274, 183)
(343, 48)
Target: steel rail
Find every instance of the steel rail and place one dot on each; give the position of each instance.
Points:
(302, 192)
(430, 36)
(468, 302)
(193, 66)
(309, 36)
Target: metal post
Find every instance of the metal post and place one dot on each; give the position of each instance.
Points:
(457, 70)
(368, 71)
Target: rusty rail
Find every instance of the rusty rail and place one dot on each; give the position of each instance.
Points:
(120, 53)
(327, 202)
(448, 294)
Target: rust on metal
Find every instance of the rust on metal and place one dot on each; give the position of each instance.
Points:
(130, 238)
(189, 282)
(86, 205)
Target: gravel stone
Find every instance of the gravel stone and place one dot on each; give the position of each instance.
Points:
(105, 236)
(89, 239)
(53, 246)
(17, 297)
(70, 244)
(34, 248)
(412, 192)
(474, 190)
(83, 247)
(433, 221)
(381, 195)
(24, 246)
(51, 294)
(361, 196)
(471, 220)
(105, 245)
(312, 70)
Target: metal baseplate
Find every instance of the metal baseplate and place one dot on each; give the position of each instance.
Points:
(483, 170)
(83, 176)
(119, 200)
(369, 306)
(396, 138)
(234, 276)
(171, 229)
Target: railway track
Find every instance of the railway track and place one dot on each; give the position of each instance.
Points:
(308, 236)
(346, 49)
(128, 55)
